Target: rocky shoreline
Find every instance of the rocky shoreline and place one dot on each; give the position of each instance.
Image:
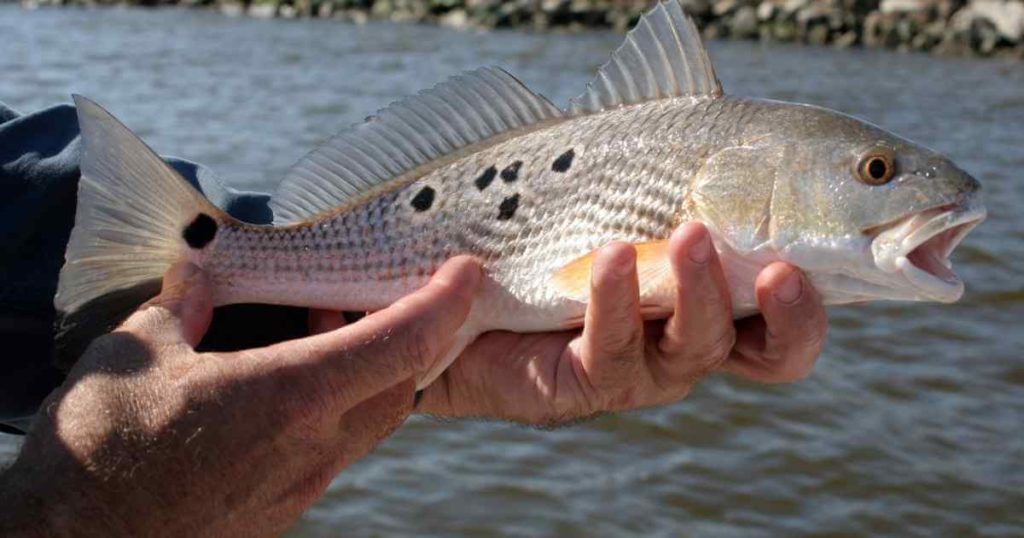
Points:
(954, 27)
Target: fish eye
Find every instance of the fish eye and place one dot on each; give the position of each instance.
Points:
(876, 168)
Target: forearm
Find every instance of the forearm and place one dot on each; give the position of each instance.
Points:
(29, 511)
(23, 514)
(37, 503)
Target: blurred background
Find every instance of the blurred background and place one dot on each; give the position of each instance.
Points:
(911, 424)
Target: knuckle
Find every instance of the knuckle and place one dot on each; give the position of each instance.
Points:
(415, 345)
(306, 400)
(790, 368)
(716, 347)
(443, 287)
(811, 341)
(624, 344)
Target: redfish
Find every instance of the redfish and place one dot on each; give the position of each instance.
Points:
(482, 165)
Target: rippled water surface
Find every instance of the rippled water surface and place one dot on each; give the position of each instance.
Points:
(911, 425)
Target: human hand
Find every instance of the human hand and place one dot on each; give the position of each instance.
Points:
(150, 438)
(618, 362)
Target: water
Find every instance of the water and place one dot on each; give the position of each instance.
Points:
(909, 426)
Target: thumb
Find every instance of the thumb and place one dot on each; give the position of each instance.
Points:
(185, 304)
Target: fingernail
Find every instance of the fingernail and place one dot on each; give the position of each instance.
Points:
(700, 252)
(474, 274)
(463, 273)
(790, 289)
(626, 266)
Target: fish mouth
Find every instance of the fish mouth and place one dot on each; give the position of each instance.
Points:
(918, 248)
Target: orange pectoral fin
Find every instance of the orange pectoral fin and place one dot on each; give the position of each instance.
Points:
(652, 265)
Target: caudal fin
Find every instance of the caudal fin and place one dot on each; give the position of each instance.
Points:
(135, 217)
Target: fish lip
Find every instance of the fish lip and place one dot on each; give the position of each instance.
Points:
(942, 227)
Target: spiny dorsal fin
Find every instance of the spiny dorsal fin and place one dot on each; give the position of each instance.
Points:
(458, 112)
(662, 57)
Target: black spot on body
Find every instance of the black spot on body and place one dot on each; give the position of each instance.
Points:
(508, 207)
(486, 178)
(423, 199)
(511, 172)
(564, 161)
(200, 231)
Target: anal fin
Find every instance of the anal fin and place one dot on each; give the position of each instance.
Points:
(652, 265)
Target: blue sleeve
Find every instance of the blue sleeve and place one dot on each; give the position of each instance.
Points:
(38, 187)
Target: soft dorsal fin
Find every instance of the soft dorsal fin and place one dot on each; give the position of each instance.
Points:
(662, 57)
(458, 112)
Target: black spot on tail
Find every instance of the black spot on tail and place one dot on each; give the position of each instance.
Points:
(486, 178)
(423, 199)
(200, 232)
(511, 172)
(508, 207)
(564, 161)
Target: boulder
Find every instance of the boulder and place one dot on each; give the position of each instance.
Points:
(744, 23)
(1006, 16)
(905, 6)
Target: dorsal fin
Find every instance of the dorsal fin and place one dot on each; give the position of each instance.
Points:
(458, 112)
(662, 57)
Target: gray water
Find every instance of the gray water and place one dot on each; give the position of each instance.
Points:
(911, 425)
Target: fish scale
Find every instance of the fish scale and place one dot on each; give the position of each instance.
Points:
(385, 247)
(481, 165)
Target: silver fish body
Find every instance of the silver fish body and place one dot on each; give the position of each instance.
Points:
(481, 165)
(635, 174)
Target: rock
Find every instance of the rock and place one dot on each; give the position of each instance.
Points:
(784, 30)
(744, 23)
(231, 10)
(923, 41)
(766, 10)
(817, 34)
(1007, 16)
(984, 37)
(713, 30)
(724, 7)
(792, 6)
(358, 16)
(262, 11)
(846, 39)
(904, 6)
(456, 18)
(817, 11)
(988, 27)
(697, 8)
(877, 29)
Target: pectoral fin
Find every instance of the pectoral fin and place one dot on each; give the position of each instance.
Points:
(652, 265)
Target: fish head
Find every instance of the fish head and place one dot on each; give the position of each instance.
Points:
(868, 214)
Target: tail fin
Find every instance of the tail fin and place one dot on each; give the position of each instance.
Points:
(133, 220)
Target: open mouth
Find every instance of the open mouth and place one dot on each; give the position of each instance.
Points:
(919, 248)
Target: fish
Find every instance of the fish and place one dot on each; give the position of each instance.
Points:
(482, 165)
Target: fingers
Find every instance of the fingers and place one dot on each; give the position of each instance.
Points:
(613, 335)
(322, 321)
(185, 303)
(386, 347)
(700, 332)
(373, 420)
(783, 345)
